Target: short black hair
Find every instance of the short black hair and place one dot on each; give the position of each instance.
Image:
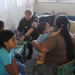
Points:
(5, 35)
(41, 27)
(1, 24)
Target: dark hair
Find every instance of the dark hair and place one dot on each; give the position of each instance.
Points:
(62, 22)
(41, 27)
(1, 24)
(5, 35)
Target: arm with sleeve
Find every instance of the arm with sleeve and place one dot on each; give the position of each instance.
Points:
(21, 24)
(5, 59)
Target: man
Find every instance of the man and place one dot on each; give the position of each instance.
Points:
(28, 26)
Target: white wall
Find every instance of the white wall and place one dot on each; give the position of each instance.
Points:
(57, 7)
(13, 14)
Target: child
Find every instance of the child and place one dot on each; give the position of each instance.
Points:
(17, 56)
(7, 60)
(45, 32)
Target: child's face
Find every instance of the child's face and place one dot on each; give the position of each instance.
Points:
(11, 43)
(47, 28)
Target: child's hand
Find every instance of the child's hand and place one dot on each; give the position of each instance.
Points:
(59, 30)
(55, 33)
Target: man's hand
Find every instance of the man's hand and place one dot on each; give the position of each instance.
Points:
(22, 38)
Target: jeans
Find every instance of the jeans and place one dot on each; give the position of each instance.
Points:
(21, 68)
(19, 74)
(19, 57)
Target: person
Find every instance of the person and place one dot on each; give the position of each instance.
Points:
(17, 56)
(1, 25)
(8, 64)
(28, 26)
(45, 32)
(59, 49)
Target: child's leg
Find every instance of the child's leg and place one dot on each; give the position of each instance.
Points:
(19, 74)
(21, 68)
(19, 57)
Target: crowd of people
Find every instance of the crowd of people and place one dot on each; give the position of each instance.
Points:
(52, 48)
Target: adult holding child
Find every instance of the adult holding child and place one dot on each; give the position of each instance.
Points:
(59, 49)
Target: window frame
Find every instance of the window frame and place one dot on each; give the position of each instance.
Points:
(59, 1)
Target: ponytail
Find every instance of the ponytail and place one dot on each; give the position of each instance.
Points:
(62, 22)
(69, 43)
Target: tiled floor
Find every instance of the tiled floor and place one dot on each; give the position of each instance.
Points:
(29, 66)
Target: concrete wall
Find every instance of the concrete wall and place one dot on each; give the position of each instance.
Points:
(57, 7)
(13, 14)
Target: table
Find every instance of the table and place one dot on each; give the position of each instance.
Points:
(21, 48)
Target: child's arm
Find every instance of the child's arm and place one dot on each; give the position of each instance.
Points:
(10, 70)
(14, 66)
(55, 33)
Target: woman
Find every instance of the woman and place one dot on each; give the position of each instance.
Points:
(59, 49)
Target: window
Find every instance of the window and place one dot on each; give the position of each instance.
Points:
(46, 0)
(63, 1)
(67, 1)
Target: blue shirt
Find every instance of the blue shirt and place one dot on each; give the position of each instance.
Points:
(5, 59)
(40, 39)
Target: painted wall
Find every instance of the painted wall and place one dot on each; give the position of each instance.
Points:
(57, 7)
(14, 13)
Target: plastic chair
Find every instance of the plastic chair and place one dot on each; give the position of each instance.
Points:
(66, 69)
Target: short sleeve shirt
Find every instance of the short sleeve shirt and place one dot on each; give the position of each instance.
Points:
(5, 59)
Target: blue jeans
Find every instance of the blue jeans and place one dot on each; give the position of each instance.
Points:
(21, 68)
(19, 74)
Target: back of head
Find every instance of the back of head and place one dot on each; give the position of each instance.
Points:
(1, 25)
(41, 27)
(62, 22)
(5, 36)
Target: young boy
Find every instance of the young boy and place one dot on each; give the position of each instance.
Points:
(45, 32)
(7, 61)
(19, 58)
